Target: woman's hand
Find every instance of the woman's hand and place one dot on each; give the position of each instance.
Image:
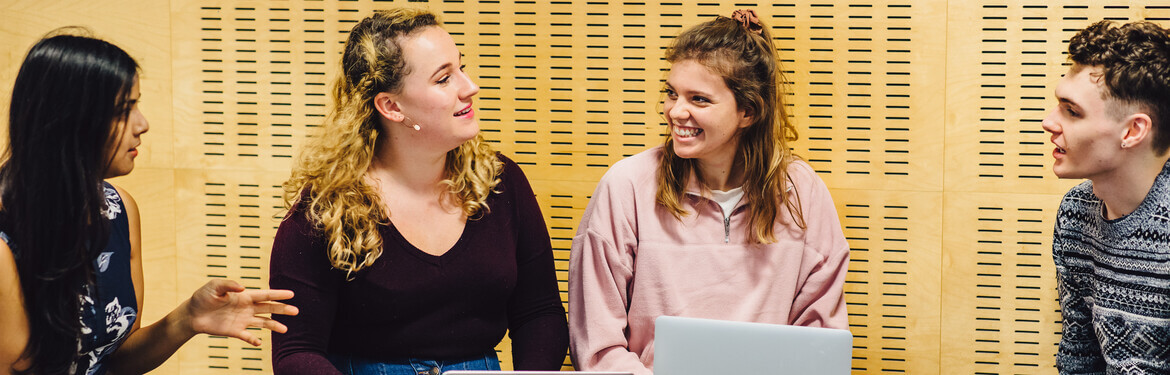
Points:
(225, 308)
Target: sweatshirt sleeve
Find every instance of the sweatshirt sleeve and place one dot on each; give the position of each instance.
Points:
(536, 317)
(299, 263)
(600, 275)
(820, 302)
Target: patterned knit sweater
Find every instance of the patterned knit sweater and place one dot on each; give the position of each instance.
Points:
(1114, 283)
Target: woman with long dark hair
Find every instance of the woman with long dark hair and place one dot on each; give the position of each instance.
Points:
(71, 285)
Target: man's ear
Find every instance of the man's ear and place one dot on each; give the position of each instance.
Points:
(1138, 128)
(386, 106)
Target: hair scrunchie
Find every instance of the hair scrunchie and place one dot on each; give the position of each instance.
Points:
(747, 18)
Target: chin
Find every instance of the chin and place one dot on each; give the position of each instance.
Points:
(1061, 173)
(684, 153)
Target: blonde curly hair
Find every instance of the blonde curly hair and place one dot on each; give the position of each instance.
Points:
(329, 176)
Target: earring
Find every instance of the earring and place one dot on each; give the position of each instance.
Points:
(1124, 144)
(416, 127)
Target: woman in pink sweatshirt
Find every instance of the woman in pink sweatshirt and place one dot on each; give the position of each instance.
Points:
(720, 222)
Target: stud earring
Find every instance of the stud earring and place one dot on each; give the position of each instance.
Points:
(1124, 144)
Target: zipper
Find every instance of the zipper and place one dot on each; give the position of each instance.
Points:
(726, 228)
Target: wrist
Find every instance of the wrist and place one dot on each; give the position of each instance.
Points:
(180, 323)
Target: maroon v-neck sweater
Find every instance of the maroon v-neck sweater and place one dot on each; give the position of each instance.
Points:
(498, 276)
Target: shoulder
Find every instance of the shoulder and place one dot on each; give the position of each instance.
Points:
(1079, 198)
(508, 167)
(800, 170)
(115, 195)
(638, 169)
(803, 178)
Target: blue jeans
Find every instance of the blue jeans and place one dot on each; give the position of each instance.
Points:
(412, 366)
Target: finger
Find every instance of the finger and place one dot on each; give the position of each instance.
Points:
(222, 286)
(275, 308)
(248, 337)
(269, 295)
(269, 324)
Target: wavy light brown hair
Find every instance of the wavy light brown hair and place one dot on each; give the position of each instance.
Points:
(329, 178)
(1135, 64)
(747, 62)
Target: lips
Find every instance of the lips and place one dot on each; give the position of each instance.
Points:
(465, 111)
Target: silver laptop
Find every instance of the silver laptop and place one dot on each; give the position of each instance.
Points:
(530, 373)
(690, 346)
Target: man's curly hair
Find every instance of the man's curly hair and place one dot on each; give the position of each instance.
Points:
(1135, 64)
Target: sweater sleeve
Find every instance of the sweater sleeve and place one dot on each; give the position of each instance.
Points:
(821, 299)
(1078, 351)
(536, 317)
(600, 277)
(299, 263)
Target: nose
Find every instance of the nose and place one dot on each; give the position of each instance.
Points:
(143, 125)
(470, 88)
(1049, 123)
(676, 111)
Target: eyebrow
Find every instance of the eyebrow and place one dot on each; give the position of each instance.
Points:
(440, 69)
(1068, 101)
(446, 65)
(692, 92)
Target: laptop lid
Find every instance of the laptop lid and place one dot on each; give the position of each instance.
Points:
(690, 346)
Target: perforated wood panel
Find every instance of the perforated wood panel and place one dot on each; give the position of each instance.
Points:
(1000, 304)
(227, 220)
(892, 286)
(999, 86)
(865, 92)
(922, 117)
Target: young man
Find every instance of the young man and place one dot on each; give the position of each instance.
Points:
(1112, 239)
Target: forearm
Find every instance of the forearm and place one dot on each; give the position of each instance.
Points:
(150, 346)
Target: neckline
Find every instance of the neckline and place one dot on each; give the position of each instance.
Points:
(1147, 201)
(423, 255)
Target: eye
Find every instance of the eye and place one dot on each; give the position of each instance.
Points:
(670, 93)
(1068, 109)
(446, 78)
(700, 99)
(462, 68)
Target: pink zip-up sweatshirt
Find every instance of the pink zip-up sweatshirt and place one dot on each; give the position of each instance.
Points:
(633, 261)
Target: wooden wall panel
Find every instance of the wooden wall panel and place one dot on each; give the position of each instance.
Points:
(892, 289)
(1000, 309)
(226, 222)
(922, 116)
(865, 92)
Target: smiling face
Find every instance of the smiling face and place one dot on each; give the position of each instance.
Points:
(126, 136)
(436, 95)
(705, 121)
(1087, 138)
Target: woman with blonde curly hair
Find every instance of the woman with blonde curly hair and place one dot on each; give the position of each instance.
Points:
(412, 246)
(720, 222)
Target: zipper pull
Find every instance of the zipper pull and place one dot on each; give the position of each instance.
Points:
(727, 229)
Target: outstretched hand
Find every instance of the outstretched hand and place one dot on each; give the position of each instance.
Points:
(225, 308)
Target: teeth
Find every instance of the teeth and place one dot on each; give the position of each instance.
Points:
(1060, 150)
(463, 112)
(687, 132)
